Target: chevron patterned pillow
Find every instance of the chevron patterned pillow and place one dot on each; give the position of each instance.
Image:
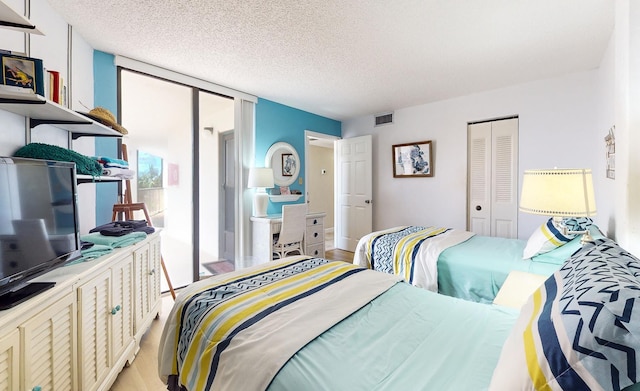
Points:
(581, 329)
(547, 237)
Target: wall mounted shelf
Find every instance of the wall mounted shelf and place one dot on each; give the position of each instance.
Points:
(285, 198)
(10, 19)
(43, 111)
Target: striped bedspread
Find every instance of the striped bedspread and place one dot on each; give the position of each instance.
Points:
(219, 327)
(410, 252)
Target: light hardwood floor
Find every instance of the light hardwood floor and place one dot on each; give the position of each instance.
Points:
(142, 374)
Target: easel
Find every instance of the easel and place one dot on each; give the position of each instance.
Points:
(126, 208)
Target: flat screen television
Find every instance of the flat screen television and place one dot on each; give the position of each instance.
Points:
(38, 224)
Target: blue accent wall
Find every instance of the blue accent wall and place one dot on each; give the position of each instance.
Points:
(105, 94)
(276, 122)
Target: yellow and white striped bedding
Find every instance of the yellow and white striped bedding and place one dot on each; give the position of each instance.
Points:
(217, 325)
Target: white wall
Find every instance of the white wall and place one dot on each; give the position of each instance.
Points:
(559, 126)
(52, 48)
(627, 115)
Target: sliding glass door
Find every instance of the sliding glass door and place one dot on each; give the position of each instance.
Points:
(159, 117)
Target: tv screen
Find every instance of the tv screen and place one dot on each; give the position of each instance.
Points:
(38, 219)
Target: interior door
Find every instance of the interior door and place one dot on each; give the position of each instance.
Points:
(493, 178)
(353, 191)
(479, 220)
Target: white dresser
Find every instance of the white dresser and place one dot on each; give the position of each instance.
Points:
(265, 227)
(79, 334)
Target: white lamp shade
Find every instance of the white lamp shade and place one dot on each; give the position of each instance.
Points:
(558, 192)
(260, 177)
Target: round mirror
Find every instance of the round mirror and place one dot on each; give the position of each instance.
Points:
(284, 161)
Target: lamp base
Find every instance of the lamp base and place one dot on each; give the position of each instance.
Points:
(260, 202)
(561, 226)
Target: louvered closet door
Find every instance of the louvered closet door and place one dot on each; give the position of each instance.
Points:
(493, 178)
(479, 147)
(504, 184)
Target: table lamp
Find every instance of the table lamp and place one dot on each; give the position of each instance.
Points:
(560, 193)
(260, 178)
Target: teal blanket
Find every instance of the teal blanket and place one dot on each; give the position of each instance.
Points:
(476, 269)
(93, 252)
(114, 241)
(405, 339)
(84, 165)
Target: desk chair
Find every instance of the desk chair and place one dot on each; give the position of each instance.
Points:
(294, 224)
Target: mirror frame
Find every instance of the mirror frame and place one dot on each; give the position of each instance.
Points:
(273, 159)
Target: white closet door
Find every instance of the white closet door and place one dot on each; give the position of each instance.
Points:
(479, 220)
(493, 180)
(504, 183)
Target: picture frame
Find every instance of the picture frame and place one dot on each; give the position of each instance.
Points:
(288, 164)
(413, 160)
(23, 72)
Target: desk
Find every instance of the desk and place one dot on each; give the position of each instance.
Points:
(265, 227)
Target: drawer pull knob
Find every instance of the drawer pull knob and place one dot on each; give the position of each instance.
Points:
(152, 272)
(115, 310)
(315, 221)
(316, 252)
(315, 234)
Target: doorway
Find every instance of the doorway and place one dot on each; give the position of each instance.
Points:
(320, 182)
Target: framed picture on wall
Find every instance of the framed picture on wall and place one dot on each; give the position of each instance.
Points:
(288, 164)
(412, 160)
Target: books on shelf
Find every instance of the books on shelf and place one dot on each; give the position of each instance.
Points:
(57, 91)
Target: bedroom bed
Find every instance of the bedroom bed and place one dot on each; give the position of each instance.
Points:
(454, 262)
(333, 338)
(310, 324)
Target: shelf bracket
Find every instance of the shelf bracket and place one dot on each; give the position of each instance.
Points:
(17, 25)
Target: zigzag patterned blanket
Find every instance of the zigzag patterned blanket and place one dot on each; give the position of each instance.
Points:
(581, 329)
(409, 252)
(218, 327)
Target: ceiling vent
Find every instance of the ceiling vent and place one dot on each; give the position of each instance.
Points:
(384, 119)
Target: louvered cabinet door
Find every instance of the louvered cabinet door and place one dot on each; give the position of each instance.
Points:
(143, 302)
(122, 303)
(155, 272)
(49, 351)
(9, 360)
(94, 330)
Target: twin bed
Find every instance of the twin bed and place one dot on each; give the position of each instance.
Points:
(311, 324)
(454, 262)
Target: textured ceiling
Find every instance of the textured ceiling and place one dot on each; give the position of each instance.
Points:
(343, 59)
